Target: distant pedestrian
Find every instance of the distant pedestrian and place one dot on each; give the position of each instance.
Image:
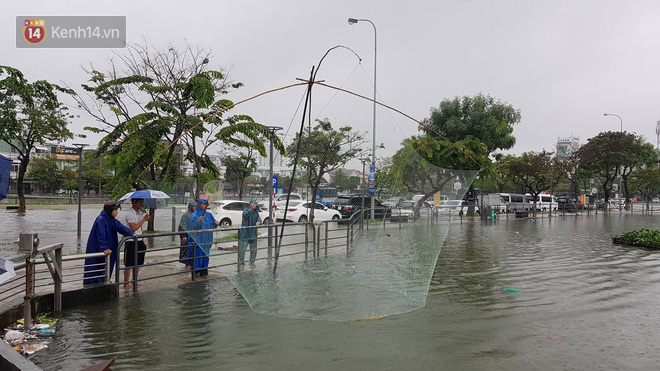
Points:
(103, 238)
(183, 227)
(249, 236)
(201, 241)
(135, 218)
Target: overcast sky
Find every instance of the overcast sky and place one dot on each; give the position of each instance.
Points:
(561, 63)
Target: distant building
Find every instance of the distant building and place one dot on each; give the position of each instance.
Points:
(567, 146)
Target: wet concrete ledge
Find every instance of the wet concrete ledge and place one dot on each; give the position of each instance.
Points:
(12, 360)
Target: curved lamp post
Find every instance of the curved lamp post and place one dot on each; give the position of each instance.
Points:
(352, 21)
(621, 130)
(614, 114)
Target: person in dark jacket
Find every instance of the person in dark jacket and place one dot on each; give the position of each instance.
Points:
(183, 227)
(249, 236)
(103, 238)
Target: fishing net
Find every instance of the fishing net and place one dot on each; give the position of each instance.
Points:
(386, 271)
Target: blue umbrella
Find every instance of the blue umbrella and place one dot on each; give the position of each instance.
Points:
(6, 270)
(5, 168)
(152, 199)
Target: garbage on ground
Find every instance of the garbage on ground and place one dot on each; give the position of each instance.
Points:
(27, 342)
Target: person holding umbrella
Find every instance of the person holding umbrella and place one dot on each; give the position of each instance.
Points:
(103, 238)
(135, 218)
(200, 241)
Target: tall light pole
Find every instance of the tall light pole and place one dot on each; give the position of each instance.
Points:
(614, 114)
(372, 168)
(657, 134)
(271, 131)
(621, 130)
(80, 147)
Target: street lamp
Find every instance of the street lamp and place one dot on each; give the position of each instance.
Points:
(621, 130)
(80, 147)
(614, 114)
(352, 21)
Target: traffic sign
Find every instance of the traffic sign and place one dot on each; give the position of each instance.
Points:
(275, 179)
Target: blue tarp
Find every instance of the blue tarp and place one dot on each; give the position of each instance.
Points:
(5, 168)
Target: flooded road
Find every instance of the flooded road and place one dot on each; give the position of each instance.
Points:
(511, 295)
(56, 224)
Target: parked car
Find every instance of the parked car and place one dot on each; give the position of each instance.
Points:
(230, 212)
(655, 200)
(299, 211)
(566, 204)
(349, 204)
(408, 208)
(456, 207)
(280, 200)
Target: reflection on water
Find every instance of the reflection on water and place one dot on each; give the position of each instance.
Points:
(583, 303)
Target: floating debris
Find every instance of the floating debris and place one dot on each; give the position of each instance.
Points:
(511, 290)
(29, 342)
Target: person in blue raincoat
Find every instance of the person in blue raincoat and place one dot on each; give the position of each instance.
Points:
(249, 236)
(201, 241)
(103, 238)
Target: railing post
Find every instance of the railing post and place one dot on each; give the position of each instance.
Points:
(58, 280)
(107, 268)
(29, 293)
(135, 263)
(307, 237)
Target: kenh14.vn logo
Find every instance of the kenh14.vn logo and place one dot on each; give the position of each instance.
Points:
(34, 31)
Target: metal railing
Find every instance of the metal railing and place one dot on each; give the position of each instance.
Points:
(36, 275)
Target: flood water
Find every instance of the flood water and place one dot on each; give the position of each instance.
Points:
(581, 303)
(59, 224)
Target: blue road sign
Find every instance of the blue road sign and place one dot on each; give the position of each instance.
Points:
(275, 179)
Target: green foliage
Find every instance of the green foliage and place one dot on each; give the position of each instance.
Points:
(44, 172)
(643, 238)
(324, 149)
(536, 172)
(30, 114)
(646, 182)
(166, 93)
(611, 154)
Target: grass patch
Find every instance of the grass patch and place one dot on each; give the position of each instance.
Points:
(642, 238)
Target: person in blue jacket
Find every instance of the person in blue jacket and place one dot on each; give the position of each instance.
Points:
(103, 238)
(201, 241)
(249, 236)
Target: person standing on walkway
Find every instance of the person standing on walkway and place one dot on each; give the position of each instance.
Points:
(183, 227)
(201, 241)
(135, 218)
(249, 236)
(103, 238)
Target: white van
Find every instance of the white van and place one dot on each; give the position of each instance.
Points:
(544, 202)
(515, 202)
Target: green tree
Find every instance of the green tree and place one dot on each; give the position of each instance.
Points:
(150, 98)
(44, 172)
(612, 154)
(324, 149)
(536, 172)
(239, 169)
(646, 182)
(476, 127)
(30, 113)
(340, 180)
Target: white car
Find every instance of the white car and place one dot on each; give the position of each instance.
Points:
(459, 207)
(230, 212)
(299, 212)
(280, 200)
